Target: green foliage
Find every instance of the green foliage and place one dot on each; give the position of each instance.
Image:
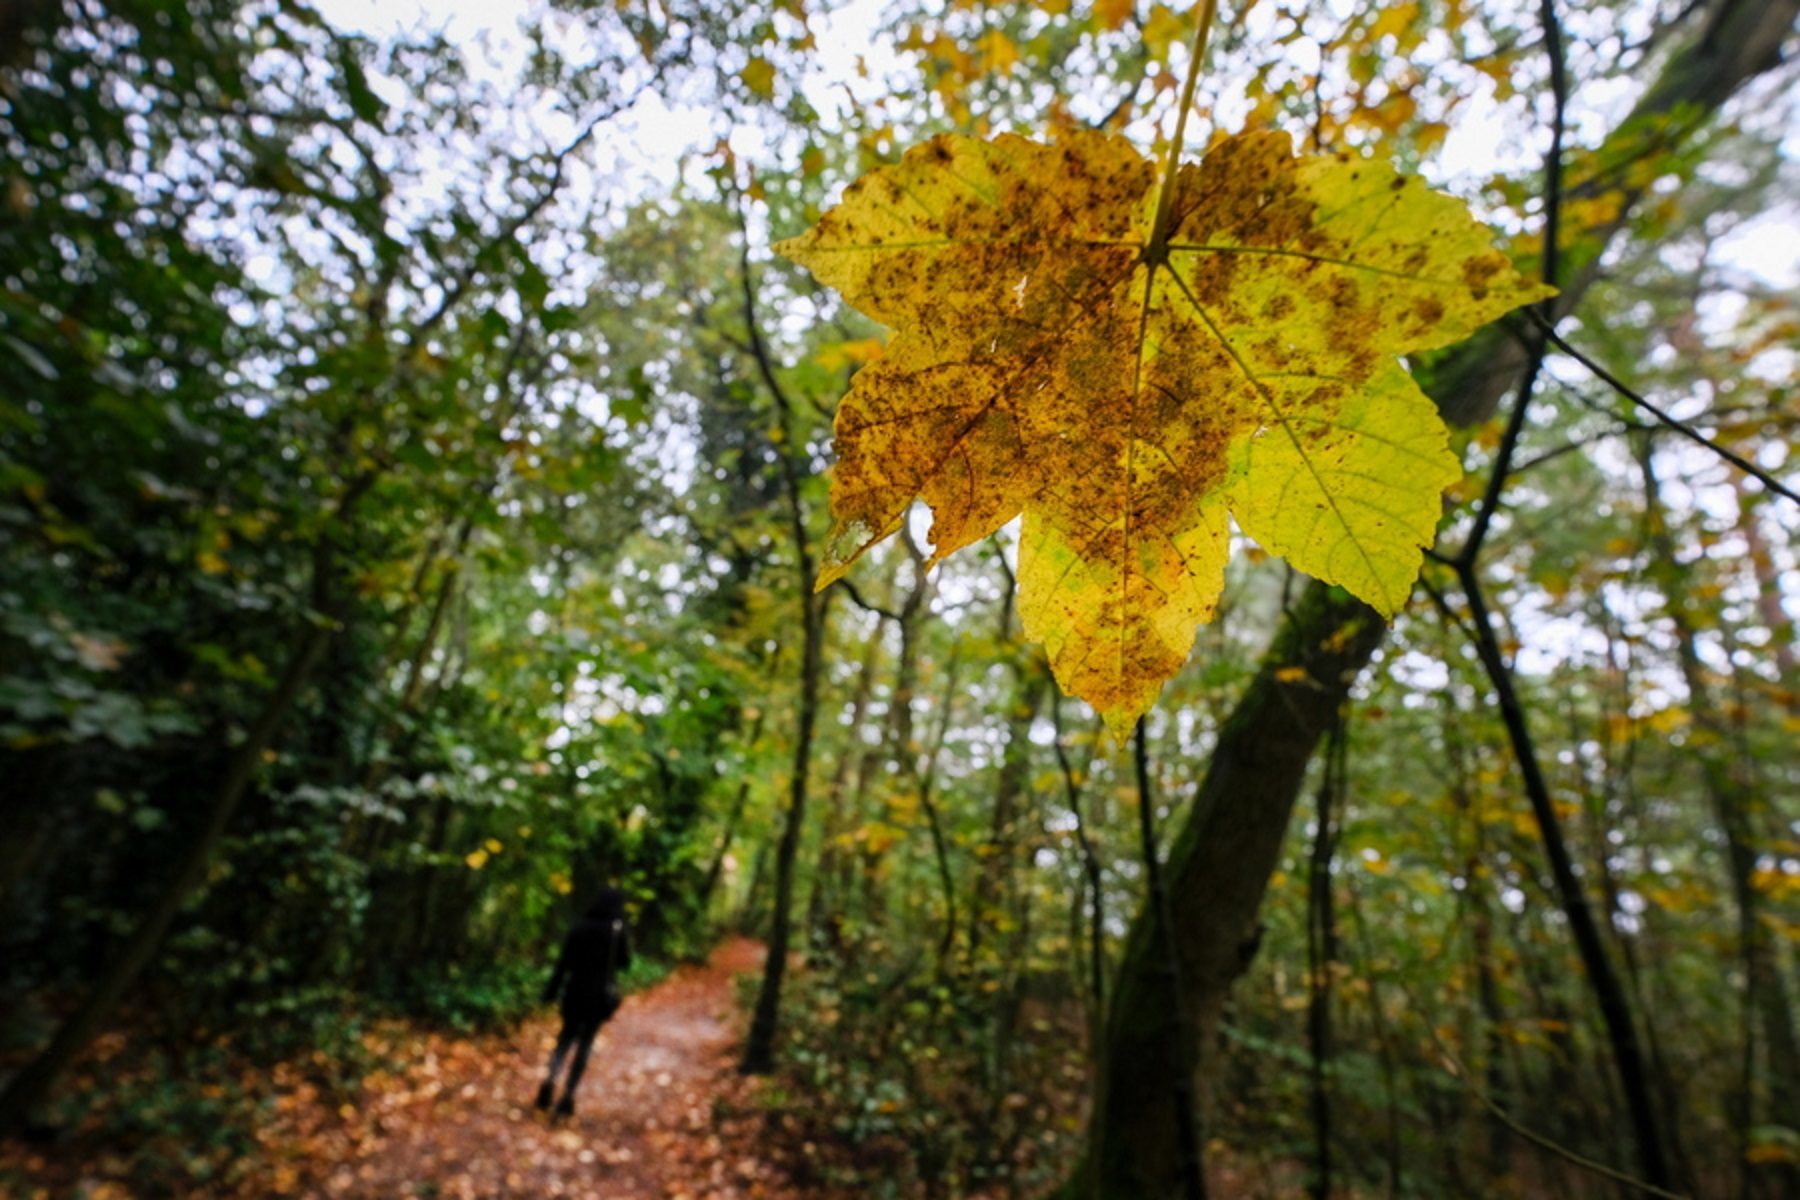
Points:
(483, 998)
(175, 1132)
(906, 1084)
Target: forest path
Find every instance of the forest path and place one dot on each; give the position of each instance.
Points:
(655, 1115)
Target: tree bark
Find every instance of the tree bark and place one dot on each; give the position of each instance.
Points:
(825, 907)
(1609, 991)
(759, 1046)
(999, 849)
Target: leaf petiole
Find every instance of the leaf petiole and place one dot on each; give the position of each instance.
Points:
(1156, 250)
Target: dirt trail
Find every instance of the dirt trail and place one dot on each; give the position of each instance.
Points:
(655, 1115)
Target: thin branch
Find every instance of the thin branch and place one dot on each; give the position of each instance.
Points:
(1553, 162)
(1442, 603)
(509, 232)
(1656, 36)
(1461, 1072)
(1577, 445)
(1687, 431)
(857, 598)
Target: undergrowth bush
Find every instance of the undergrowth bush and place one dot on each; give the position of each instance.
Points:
(903, 1083)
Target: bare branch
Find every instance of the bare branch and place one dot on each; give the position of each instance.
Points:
(1687, 431)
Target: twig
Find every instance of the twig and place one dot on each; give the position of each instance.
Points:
(1687, 431)
(1156, 250)
(857, 597)
(1461, 1071)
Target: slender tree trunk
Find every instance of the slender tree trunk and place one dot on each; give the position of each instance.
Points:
(1487, 991)
(999, 848)
(1769, 608)
(429, 881)
(926, 784)
(1384, 1040)
(1477, 899)
(749, 917)
(716, 868)
(1321, 954)
(918, 765)
(1609, 992)
(759, 1045)
(1093, 871)
(825, 905)
(447, 589)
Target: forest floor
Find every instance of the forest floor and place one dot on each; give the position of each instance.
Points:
(652, 1116)
(662, 1114)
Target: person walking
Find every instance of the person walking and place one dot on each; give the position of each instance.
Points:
(586, 980)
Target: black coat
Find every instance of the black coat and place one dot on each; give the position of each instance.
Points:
(586, 974)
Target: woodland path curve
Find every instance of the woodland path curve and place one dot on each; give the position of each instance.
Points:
(649, 1122)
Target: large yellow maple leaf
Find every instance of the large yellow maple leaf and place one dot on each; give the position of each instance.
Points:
(1129, 390)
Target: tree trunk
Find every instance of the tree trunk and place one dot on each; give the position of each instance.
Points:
(825, 906)
(1000, 847)
(1609, 992)
(1216, 874)
(759, 1045)
(1321, 954)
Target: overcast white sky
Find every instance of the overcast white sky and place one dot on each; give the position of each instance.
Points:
(660, 136)
(1767, 249)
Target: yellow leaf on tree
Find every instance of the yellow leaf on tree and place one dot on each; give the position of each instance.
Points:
(1393, 20)
(1112, 14)
(998, 54)
(1162, 30)
(1130, 398)
(759, 76)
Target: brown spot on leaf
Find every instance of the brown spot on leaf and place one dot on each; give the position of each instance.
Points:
(1483, 267)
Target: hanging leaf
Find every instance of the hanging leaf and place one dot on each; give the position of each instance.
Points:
(1131, 394)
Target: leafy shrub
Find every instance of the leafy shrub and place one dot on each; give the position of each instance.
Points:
(900, 1084)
